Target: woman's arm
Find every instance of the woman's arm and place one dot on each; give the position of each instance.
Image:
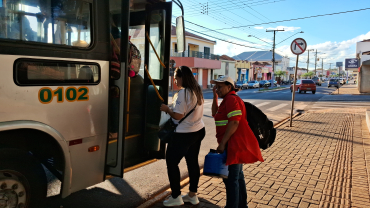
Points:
(232, 126)
(215, 102)
(176, 116)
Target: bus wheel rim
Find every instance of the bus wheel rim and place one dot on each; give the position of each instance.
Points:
(13, 189)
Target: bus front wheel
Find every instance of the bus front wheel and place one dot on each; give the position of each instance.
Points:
(22, 179)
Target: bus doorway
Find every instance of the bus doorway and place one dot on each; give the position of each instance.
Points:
(134, 113)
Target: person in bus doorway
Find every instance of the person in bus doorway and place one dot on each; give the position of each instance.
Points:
(188, 135)
(235, 137)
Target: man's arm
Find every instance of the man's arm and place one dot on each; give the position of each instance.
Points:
(232, 126)
(215, 102)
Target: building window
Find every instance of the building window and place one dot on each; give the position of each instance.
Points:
(207, 50)
(176, 47)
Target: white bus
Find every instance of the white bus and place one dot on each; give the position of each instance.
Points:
(67, 103)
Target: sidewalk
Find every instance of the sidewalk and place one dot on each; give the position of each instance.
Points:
(322, 161)
(348, 89)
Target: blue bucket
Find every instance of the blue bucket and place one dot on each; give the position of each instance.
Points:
(214, 165)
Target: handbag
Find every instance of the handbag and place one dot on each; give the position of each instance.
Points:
(169, 128)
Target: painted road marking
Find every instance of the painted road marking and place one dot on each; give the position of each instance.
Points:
(262, 104)
(277, 107)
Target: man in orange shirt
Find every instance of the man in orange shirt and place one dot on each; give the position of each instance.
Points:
(236, 137)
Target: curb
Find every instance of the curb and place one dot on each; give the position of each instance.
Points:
(368, 119)
(163, 193)
(166, 192)
(285, 88)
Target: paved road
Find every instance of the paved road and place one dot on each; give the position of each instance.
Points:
(140, 184)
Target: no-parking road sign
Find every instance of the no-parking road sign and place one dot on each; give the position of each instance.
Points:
(298, 46)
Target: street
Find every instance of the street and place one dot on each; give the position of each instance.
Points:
(141, 184)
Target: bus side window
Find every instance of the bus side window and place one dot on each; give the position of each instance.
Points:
(45, 72)
(54, 21)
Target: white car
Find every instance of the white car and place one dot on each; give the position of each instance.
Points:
(342, 81)
(253, 84)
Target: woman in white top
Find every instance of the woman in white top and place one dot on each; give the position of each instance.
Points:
(188, 136)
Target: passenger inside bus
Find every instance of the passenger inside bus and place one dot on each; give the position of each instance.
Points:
(86, 75)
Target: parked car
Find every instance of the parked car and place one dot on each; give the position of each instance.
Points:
(242, 84)
(342, 81)
(285, 82)
(317, 81)
(304, 85)
(264, 83)
(253, 84)
(333, 82)
(275, 82)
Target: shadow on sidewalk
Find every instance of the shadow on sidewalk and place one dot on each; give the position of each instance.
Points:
(316, 122)
(317, 135)
(203, 203)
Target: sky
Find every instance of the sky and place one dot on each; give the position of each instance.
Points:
(242, 22)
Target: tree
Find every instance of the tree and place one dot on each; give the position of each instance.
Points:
(279, 73)
(308, 74)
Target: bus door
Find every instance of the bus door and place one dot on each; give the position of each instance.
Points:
(134, 113)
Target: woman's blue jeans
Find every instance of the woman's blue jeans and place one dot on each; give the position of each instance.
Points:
(236, 192)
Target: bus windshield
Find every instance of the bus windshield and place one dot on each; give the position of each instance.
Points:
(49, 21)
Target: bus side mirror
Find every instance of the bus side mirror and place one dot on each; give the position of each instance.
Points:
(180, 34)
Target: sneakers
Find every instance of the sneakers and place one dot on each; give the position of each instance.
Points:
(194, 200)
(171, 202)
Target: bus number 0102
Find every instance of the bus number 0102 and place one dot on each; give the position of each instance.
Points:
(71, 94)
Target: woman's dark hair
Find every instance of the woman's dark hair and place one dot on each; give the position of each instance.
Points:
(189, 82)
(232, 87)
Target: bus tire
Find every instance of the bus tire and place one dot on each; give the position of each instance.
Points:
(22, 174)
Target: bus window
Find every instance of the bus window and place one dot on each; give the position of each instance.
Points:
(46, 72)
(50, 21)
(156, 30)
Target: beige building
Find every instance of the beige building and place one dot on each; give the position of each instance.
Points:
(198, 56)
(227, 68)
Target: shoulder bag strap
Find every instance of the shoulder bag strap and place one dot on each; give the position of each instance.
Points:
(189, 113)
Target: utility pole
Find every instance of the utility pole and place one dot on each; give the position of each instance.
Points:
(322, 66)
(330, 69)
(308, 58)
(315, 61)
(273, 57)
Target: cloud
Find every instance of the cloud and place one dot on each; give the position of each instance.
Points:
(232, 50)
(286, 28)
(331, 52)
(258, 28)
(267, 40)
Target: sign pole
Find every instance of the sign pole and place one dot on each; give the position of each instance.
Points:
(293, 95)
(297, 47)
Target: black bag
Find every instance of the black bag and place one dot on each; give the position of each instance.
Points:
(261, 126)
(169, 128)
(263, 129)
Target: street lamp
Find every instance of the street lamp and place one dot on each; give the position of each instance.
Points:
(289, 37)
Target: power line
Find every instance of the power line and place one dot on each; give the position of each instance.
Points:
(221, 33)
(300, 18)
(252, 14)
(228, 22)
(236, 6)
(232, 21)
(227, 40)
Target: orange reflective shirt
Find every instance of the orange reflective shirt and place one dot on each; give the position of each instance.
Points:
(243, 146)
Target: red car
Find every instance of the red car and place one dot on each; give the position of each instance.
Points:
(304, 85)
